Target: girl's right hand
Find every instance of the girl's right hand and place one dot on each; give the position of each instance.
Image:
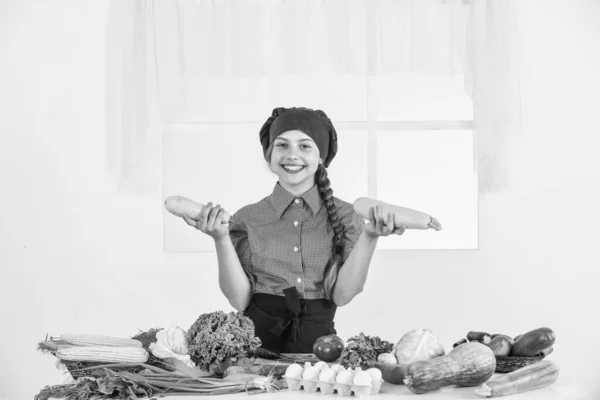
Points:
(210, 221)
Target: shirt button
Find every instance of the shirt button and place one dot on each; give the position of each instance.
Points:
(297, 201)
(299, 280)
(295, 223)
(295, 249)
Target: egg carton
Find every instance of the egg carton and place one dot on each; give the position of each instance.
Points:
(331, 388)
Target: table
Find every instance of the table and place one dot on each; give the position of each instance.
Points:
(562, 389)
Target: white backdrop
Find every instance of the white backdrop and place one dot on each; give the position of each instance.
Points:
(78, 255)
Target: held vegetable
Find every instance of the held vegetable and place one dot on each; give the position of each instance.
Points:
(469, 364)
(531, 377)
(410, 218)
(182, 206)
(533, 342)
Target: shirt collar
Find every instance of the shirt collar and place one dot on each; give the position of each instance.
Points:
(281, 199)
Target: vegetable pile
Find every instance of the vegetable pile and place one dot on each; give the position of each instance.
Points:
(162, 361)
(418, 360)
(153, 381)
(217, 356)
(535, 343)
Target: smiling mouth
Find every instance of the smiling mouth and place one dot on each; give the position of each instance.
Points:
(292, 169)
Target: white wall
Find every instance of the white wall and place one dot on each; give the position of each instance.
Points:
(76, 256)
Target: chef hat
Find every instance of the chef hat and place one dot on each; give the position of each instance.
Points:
(313, 123)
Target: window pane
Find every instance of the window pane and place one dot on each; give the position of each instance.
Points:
(430, 171)
(223, 163)
(343, 98)
(348, 171)
(211, 162)
(228, 99)
(419, 96)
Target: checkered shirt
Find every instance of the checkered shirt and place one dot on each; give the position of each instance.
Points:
(286, 240)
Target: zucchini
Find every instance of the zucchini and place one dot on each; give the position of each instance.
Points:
(411, 219)
(534, 376)
(183, 207)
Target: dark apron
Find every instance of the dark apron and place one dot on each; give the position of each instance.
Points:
(290, 324)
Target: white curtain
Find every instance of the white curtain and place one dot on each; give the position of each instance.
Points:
(492, 79)
(132, 105)
(156, 47)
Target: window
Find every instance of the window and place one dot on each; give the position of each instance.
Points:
(404, 139)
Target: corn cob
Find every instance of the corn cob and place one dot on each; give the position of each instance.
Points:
(87, 339)
(534, 376)
(107, 354)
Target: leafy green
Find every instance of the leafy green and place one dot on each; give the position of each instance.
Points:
(217, 338)
(361, 349)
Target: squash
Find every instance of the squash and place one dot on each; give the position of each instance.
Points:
(469, 364)
(533, 342)
(403, 216)
(182, 206)
(534, 376)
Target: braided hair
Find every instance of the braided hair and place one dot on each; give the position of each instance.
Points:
(332, 269)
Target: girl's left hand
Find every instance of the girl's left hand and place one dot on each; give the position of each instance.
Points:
(377, 226)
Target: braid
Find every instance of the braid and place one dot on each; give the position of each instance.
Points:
(331, 271)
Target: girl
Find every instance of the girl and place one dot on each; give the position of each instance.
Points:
(289, 260)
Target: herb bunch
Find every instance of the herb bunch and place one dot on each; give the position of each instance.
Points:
(361, 349)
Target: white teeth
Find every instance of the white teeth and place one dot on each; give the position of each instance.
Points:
(293, 168)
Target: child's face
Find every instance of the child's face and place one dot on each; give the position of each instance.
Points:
(295, 159)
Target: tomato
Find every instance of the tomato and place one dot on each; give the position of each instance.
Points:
(328, 348)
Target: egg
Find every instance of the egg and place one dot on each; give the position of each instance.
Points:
(362, 378)
(311, 374)
(294, 371)
(337, 368)
(321, 365)
(344, 377)
(375, 374)
(327, 375)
